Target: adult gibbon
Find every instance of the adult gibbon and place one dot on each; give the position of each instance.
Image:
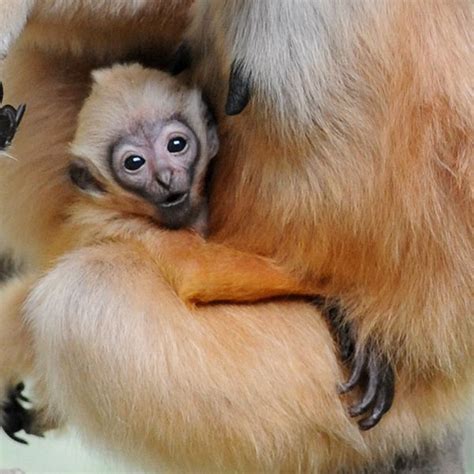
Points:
(358, 117)
(350, 165)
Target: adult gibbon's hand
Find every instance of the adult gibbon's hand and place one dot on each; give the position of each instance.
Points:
(10, 119)
(370, 369)
(15, 417)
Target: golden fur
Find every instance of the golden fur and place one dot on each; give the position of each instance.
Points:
(365, 185)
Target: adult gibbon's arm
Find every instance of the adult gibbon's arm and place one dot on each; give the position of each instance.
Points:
(379, 110)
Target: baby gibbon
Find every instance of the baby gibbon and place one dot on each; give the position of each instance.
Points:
(142, 146)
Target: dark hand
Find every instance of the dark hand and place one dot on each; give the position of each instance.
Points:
(369, 369)
(16, 418)
(181, 59)
(10, 119)
(375, 373)
(240, 90)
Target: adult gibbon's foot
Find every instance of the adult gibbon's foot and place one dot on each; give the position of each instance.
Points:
(15, 417)
(10, 119)
(369, 369)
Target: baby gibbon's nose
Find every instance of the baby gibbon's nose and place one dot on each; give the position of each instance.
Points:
(173, 192)
(163, 178)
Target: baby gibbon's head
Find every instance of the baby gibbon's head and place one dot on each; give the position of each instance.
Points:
(144, 140)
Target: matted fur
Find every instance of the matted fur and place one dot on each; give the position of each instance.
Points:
(351, 164)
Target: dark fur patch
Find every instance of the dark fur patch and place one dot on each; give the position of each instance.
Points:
(239, 94)
(181, 59)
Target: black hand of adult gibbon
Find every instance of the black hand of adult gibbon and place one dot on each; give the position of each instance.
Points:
(370, 370)
(181, 59)
(15, 417)
(10, 119)
(239, 92)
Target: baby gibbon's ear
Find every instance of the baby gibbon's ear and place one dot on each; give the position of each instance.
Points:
(82, 176)
(212, 135)
(212, 139)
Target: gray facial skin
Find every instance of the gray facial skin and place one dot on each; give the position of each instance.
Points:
(157, 162)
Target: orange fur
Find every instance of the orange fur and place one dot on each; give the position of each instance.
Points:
(379, 193)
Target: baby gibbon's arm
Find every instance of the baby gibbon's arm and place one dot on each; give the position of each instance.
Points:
(204, 272)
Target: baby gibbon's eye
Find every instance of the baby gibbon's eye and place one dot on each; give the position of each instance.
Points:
(134, 162)
(177, 144)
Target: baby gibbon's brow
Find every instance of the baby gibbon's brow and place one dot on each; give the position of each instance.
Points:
(142, 133)
(180, 118)
(139, 140)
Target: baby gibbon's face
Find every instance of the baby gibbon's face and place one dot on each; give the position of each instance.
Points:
(157, 162)
(143, 144)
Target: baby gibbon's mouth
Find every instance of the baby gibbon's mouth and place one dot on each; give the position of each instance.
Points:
(174, 199)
